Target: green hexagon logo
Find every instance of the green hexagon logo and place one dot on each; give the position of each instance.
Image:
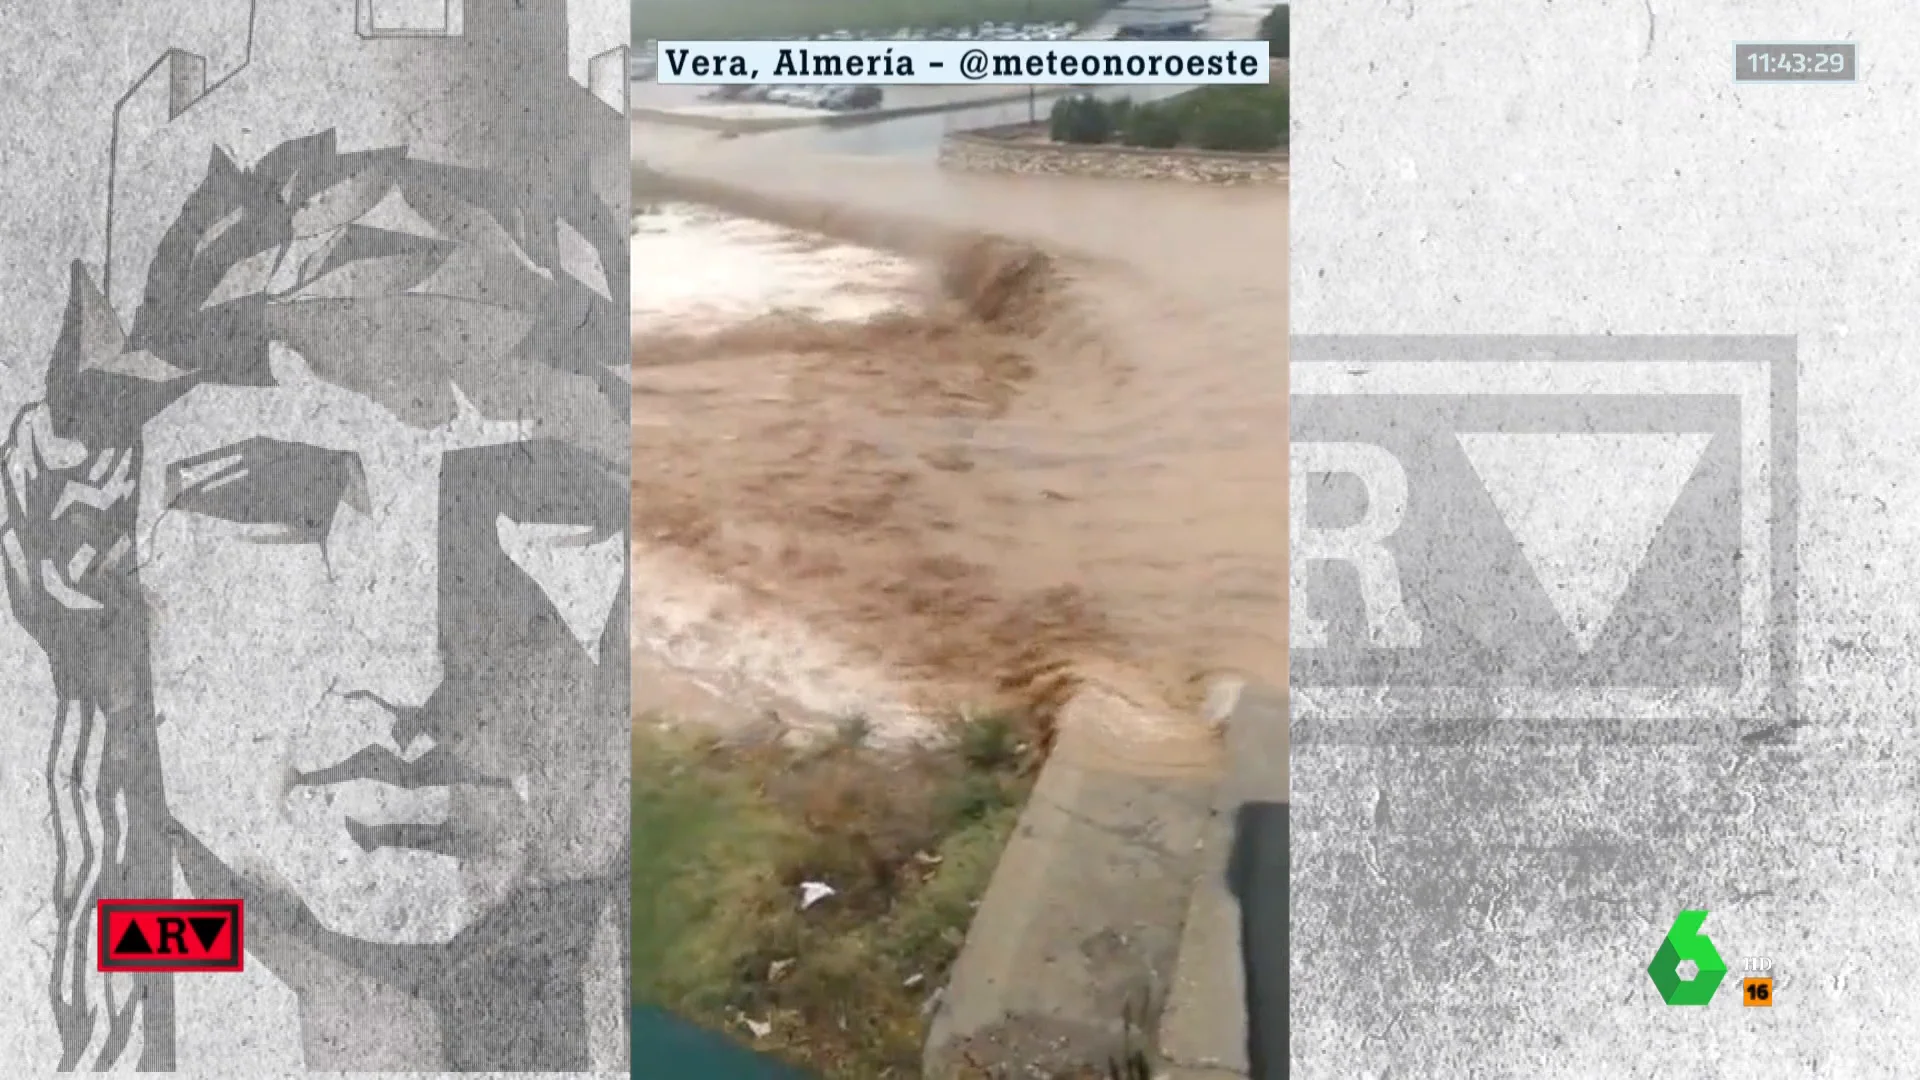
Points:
(1685, 942)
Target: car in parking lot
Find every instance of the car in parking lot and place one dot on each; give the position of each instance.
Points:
(989, 30)
(852, 98)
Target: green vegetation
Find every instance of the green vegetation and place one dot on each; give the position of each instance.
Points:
(725, 836)
(1242, 118)
(1274, 29)
(720, 20)
(1080, 119)
(1234, 125)
(1153, 126)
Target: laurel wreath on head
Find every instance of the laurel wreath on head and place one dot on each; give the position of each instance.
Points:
(309, 224)
(306, 241)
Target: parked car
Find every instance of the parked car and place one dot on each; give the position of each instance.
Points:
(1169, 32)
(850, 98)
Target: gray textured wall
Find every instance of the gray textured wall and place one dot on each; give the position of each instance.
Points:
(1490, 909)
(315, 552)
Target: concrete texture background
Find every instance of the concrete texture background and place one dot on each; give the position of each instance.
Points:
(67, 65)
(1490, 910)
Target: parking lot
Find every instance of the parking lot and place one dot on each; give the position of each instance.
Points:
(693, 100)
(829, 98)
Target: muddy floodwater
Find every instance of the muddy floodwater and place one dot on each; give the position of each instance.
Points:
(970, 431)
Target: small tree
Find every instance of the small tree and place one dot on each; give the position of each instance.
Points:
(1273, 102)
(1274, 29)
(1235, 125)
(1153, 126)
(1080, 118)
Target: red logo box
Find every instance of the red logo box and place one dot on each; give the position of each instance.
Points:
(171, 935)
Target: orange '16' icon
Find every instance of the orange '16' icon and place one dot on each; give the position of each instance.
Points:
(1756, 988)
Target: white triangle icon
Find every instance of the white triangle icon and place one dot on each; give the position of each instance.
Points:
(1585, 509)
(580, 577)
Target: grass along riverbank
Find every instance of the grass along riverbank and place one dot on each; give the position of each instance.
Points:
(730, 839)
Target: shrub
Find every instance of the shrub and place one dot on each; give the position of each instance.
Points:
(1234, 117)
(1154, 126)
(1235, 125)
(1269, 101)
(1275, 99)
(1080, 118)
(1274, 29)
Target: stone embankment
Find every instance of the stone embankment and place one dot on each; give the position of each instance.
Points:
(1021, 150)
(1024, 149)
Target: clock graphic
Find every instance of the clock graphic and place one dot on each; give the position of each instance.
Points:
(1795, 62)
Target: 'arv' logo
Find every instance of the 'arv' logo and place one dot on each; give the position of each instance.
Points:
(171, 935)
(1580, 537)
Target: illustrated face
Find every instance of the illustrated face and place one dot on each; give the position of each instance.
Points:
(387, 662)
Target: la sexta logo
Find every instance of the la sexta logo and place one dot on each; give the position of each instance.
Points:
(171, 935)
(1687, 942)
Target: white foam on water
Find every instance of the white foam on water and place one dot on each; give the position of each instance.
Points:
(710, 636)
(699, 270)
(705, 651)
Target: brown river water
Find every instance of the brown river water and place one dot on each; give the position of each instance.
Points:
(1071, 458)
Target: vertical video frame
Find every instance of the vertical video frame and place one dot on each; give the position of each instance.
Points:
(959, 544)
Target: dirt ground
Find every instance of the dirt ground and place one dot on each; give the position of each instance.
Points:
(1073, 460)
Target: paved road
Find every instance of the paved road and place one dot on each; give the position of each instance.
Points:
(919, 136)
(908, 137)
